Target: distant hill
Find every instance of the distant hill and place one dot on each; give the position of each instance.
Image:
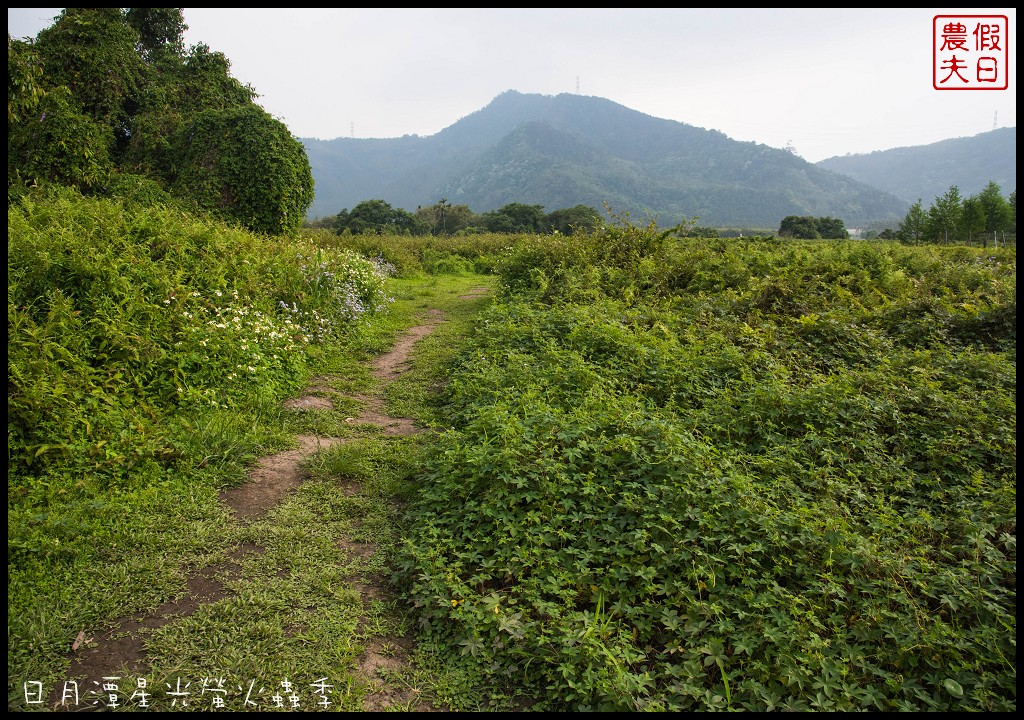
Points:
(566, 150)
(924, 172)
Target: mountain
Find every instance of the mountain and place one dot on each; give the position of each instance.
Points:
(925, 172)
(567, 150)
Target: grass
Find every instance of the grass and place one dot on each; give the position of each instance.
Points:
(315, 601)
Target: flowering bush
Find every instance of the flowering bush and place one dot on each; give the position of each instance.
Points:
(334, 288)
(120, 312)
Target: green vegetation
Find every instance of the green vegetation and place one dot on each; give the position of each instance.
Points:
(760, 474)
(670, 473)
(812, 228)
(956, 219)
(377, 217)
(664, 470)
(108, 98)
(147, 356)
(149, 353)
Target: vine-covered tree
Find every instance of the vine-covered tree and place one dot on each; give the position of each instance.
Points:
(197, 81)
(58, 143)
(24, 74)
(105, 94)
(159, 30)
(244, 166)
(92, 52)
(48, 136)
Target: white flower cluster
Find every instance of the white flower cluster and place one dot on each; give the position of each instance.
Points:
(344, 285)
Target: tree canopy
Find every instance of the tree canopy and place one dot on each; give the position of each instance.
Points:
(377, 216)
(811, 228)
(109, 92)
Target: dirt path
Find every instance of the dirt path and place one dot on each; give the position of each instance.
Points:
(120, 649)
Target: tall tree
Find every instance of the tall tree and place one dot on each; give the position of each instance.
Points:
(972, 217)
(912, 230)
(945, 216)
(998, 213)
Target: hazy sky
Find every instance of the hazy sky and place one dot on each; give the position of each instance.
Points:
(827, 81)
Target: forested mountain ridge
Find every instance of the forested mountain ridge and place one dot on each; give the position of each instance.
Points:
(924, 172)
(566, 150)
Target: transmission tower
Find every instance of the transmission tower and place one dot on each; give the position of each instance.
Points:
(994, 118)
(577, 84)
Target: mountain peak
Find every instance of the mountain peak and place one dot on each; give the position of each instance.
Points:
(559, 151)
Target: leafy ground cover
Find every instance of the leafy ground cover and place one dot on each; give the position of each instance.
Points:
(700, 475)
(653, 473)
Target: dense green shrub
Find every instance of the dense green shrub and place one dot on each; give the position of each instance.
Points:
(57, 144)
(244, 166)
(119, 314)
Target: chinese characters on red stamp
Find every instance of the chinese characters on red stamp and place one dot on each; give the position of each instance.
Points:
(970, 52)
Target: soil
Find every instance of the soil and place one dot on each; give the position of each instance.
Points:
(120, 648)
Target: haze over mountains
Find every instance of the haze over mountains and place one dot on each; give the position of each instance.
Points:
(567, 150)
(924, 172)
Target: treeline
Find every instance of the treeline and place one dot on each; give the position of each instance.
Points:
(378, 217)
(110, 102)
(953, 218)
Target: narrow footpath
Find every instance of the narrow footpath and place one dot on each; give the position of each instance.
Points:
(117, 666)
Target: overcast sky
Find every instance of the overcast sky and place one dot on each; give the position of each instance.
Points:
(827, 81)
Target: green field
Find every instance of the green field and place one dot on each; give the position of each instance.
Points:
(656, 473)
